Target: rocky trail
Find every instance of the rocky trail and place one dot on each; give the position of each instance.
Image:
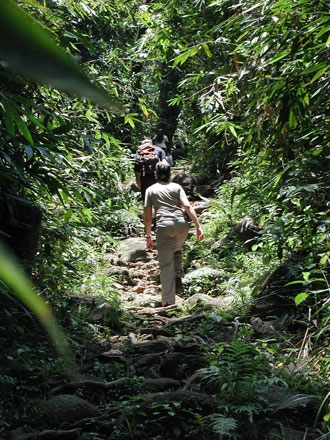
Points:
(143, 378)
(164, 373)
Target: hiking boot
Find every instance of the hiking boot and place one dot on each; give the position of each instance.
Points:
(178, 285)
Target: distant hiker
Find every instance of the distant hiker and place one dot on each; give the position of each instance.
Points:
(178, 153)
(145, 160)
(167, 199)
(161, 140)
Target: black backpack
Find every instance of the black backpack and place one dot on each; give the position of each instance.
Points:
(147, 158)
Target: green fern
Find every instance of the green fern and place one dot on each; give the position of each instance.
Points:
(223, 425)
(251, 410)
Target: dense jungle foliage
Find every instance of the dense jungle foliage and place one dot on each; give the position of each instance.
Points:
(243, 86)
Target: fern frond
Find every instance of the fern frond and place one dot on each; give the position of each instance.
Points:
(221, 424)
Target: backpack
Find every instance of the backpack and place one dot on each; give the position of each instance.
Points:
(147, 158)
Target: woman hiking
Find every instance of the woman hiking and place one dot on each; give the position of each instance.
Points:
(167, 199)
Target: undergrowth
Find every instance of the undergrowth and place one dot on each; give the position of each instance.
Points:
(240, 373)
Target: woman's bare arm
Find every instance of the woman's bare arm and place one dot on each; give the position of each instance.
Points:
(193, 216)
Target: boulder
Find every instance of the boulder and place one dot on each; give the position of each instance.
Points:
(67, 408)
(132, 249)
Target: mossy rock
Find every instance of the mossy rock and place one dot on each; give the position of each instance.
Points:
(67, 408)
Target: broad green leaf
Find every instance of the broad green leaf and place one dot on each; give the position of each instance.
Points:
(207, 50)
(30, 50)
(260, 283)
(323, 71)
(300, 298)
(131, 118)
(68, 215)
(86, 215)
(306, 276)
(316, 67)
(24, 130)
(63, 195)
(23, 288)
(182, 58)
(77, 195)
(324, 259)
(279, 57)
(144, 108)
(292, 119)
(232, 130)
(326, 417)
(318, 150)
(10, 115)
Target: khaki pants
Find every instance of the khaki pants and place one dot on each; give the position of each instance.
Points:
(171, 236)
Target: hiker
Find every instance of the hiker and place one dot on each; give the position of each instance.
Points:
(172, 227)
(178, 153)
(144, 167)
(161, 140)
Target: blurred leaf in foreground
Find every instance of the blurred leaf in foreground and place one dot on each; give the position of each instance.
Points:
(23, 288)
(29, 49)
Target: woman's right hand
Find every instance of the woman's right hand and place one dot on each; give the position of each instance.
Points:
(199, 233)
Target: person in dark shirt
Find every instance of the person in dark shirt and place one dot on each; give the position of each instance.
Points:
(143, 181)
(178, 153)
(161, 140)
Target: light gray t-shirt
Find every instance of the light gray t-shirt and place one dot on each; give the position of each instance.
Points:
(165, 198)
